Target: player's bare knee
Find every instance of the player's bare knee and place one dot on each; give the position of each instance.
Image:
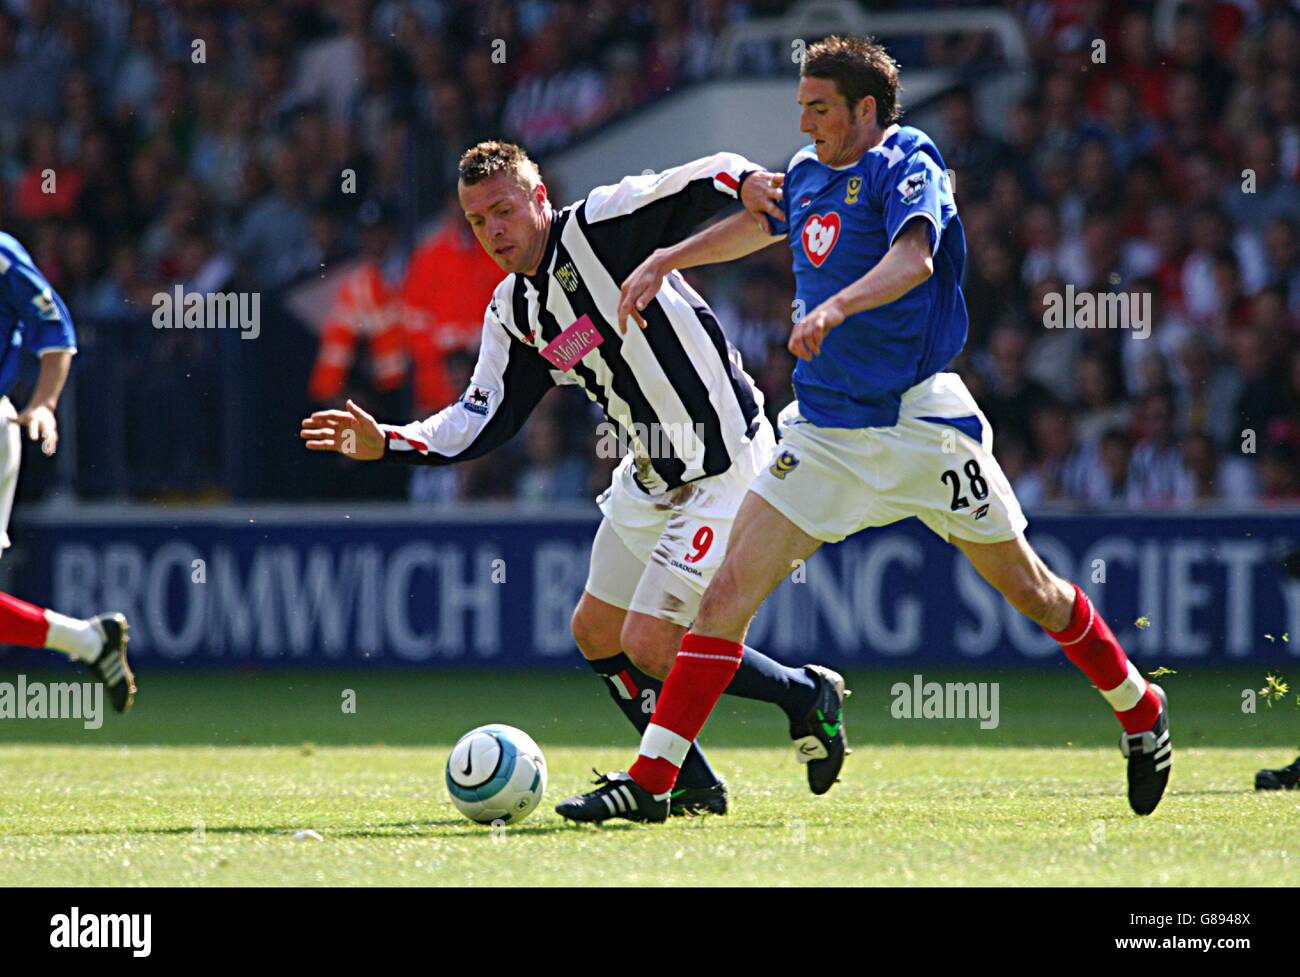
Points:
(578, 626)
(722, 605)
(651, 648)
(593, 640)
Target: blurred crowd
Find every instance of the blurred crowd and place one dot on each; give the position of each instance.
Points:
(1171, 169)
(203, 140)
(302, 136)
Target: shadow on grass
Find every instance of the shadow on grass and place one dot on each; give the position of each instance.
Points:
(1042, 705)
(399, 829)
(1233, 791)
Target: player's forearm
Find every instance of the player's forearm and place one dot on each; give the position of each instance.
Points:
(55, 367)
(450, 436)
(905, 265)
(728, 240)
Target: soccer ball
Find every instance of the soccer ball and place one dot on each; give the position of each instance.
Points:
(496, 773)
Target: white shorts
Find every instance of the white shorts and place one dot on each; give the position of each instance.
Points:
(936, 464)
(11, 453)
(656, 554)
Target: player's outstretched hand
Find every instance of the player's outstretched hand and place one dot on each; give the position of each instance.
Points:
(639, 290)
(41, 426)
(350, 432)
(762, 196)
(810, 331)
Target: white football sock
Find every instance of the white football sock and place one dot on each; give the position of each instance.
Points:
(80, 639)
(1128, 693)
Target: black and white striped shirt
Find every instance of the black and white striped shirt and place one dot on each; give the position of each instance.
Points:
(679, 378)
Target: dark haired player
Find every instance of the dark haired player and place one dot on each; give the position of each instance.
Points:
(878, 431)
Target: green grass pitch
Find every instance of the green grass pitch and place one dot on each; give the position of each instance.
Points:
(207, 780)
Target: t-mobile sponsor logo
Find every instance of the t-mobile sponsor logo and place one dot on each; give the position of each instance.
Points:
(120, 931)
(570, 346)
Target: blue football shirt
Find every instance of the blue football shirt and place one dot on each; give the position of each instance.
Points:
(840, 222)
(32, 316)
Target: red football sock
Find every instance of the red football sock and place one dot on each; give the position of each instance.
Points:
(703, 669)
(1088, 642)
(21, 623)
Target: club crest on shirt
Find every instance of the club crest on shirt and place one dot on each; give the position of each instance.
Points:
(913, 186)
(567, 276)
(785, 463)
(851, 192)
(478, 399)
(820, 232)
